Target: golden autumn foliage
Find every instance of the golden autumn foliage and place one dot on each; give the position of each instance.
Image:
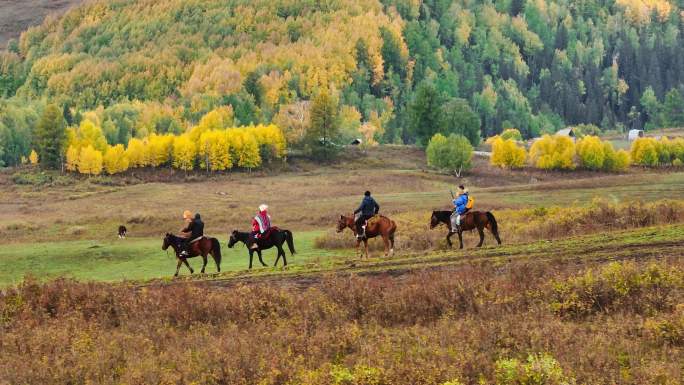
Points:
(115, 160)
(87, 134)
(33, 157)
(368, 131)
(590, 152)
(216, 119)
(271, 141)
(184, 153)
(158, 149)
(553, 153)
(215, 150)
(594, 154)
(641, 11)
(72, 158)
(90, 161)
(246, 148)
(644, 152)
(506, 153)
(135, 152)
(651, 152)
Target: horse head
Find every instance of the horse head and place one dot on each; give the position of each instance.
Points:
(168, 240)
(344, 222)
(233, 239)
(434, 219)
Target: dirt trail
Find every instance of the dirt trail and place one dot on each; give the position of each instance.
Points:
(583, 254)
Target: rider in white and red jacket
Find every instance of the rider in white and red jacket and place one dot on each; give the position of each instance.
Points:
(260, 225)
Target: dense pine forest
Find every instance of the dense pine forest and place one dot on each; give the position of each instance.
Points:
(391, 71)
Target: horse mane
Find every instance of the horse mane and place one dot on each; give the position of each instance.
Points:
(173, 236)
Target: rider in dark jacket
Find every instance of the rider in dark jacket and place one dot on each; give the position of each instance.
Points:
(368, 208)
(196, 230)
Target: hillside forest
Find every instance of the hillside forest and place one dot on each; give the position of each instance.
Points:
(311, 74)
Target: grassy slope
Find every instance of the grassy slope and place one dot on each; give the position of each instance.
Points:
(70, 230)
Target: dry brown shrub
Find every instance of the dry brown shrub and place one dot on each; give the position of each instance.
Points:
(424, 327)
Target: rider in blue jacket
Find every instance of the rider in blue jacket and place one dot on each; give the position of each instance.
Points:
(460, 208)
(368, 208)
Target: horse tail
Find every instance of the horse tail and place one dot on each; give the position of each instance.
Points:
(290, 241)
(492, 220)
(216, 250)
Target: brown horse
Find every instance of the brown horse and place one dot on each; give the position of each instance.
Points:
(201, 248)
(472, 220)
(378, 225)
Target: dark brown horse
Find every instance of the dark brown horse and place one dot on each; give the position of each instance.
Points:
(472, 220)
(201, 248)
(277, 238)
(378, 225)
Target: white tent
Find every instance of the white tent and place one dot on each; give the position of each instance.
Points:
(635, 134)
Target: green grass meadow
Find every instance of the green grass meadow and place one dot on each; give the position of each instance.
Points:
(139, 258)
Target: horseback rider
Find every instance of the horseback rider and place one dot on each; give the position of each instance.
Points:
(193, 230)
(260, 225)
(368, 208)
(460, 207)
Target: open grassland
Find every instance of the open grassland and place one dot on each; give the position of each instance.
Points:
(134, 258)
(69, 228)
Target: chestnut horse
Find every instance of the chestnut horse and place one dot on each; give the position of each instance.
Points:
(472, 220)
(201, 248)
(378, 225)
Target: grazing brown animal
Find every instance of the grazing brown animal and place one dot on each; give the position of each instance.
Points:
(378, 225)
(202, 248)
(471, 220)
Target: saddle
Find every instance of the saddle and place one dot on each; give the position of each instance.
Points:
(268, 233)
(196, 239)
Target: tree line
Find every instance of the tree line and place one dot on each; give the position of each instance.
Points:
(212, 145)
(555, 152)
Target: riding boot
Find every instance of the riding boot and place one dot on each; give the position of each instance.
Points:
(361, 234)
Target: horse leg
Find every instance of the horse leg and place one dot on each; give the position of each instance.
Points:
(277, 258)
(448, 239)
(204, 262)
(391, 238)
(280, 252)
(358, 249)
(216, 261)
(495, 233)
(260, 259)
(251, 256)
(385, 240)
(460, 239)
(178, 267)
(365, 246)
(185, 261)
(480, 231)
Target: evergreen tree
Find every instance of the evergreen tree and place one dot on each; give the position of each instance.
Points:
(50, 137)
(673, 108)
(424, 113)
(517, 7)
